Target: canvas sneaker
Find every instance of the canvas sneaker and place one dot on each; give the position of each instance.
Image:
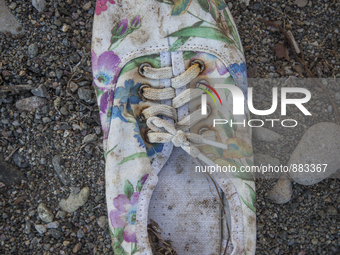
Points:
(164, 73)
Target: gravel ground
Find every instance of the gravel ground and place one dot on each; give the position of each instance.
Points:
(66, 125)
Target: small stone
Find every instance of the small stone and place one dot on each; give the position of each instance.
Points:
(46, 246)
(319, 145)
(45, 214)
(40, 228)
(61, 214)
(315, 241)
(66, 243)
(56, 234)
(57, 22)
(301, 3)
(330, 109)
(57, 103)
(76, 248)
(89, 149)
(331, 210)
(87, 6)
(30, 103)
(64, 111)
(265, 135)
(39, 5)
(27, 228)
(46, 120)
(75, 58)
(43, 161)
(22, 73)
(20, 160)
(73, 86)
(54, 224)
(65, 28)
(90, 138)
(80, 233)
(73, 202)
(33, 50)
(41, 91)
(59, 73)
(102, 221)
(12, 6)
(85, 94)
(57, 163)
(282, 191)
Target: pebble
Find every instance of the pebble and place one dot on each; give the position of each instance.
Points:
(39, 5)
(20, 160)
(41, 91)
(319, 145)
(331, 210)
(56, 234)
(73, 202)
(64, 111)
(75, 58)
(59, 73)
(40, 228)
(54, 224)
(80, 233)
(45, 213)
(87, 6)
(315, 241)
(76, 248)
(301, 3)
(27, 228)
(46, 120)
(33, 50)
(90, 138)
(58, 22)
(102, 221)
(57, 163)
(30, 103)
(282, 191)
(9, 173)
(85, 94)
(12, 6)
(61, 214)
(265, 135)
(73, 86)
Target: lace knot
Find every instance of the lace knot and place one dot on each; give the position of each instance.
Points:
(179, 139)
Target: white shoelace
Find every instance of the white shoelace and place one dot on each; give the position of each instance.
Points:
(161, 130)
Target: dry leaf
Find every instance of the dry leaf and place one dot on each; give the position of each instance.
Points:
(281, 51)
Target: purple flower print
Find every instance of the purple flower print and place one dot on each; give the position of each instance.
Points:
(119, 30)
(101, 6)
(125, 216)
(105, 68)
(135, 23)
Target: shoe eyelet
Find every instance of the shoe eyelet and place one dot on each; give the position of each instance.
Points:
(200, 64)
(140, 91)
(202, 130)
(141, 68)
(201, 84)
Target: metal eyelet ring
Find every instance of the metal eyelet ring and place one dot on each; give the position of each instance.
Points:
(209, 110)
(202, 130)
(141, 68)
(140, 91)
(201, 84)
(200, 63)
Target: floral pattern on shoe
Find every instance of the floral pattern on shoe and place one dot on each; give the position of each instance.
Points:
(105, 68)
(123, 218)
(101, 6)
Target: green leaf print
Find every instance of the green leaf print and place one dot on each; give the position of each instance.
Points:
(154, 60)
(183, 39)
(128, 189)
(189, 54)
(203, 32)
(249, 162)
(229, 80)
(231, 118)
(118, 249)
(118, 233)
(107, 152)
(134, 249)
(180, 7)
(253, 199)
(226, 127)
(220, 4)
(232, 28)
(204, 4)
(133, 156)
